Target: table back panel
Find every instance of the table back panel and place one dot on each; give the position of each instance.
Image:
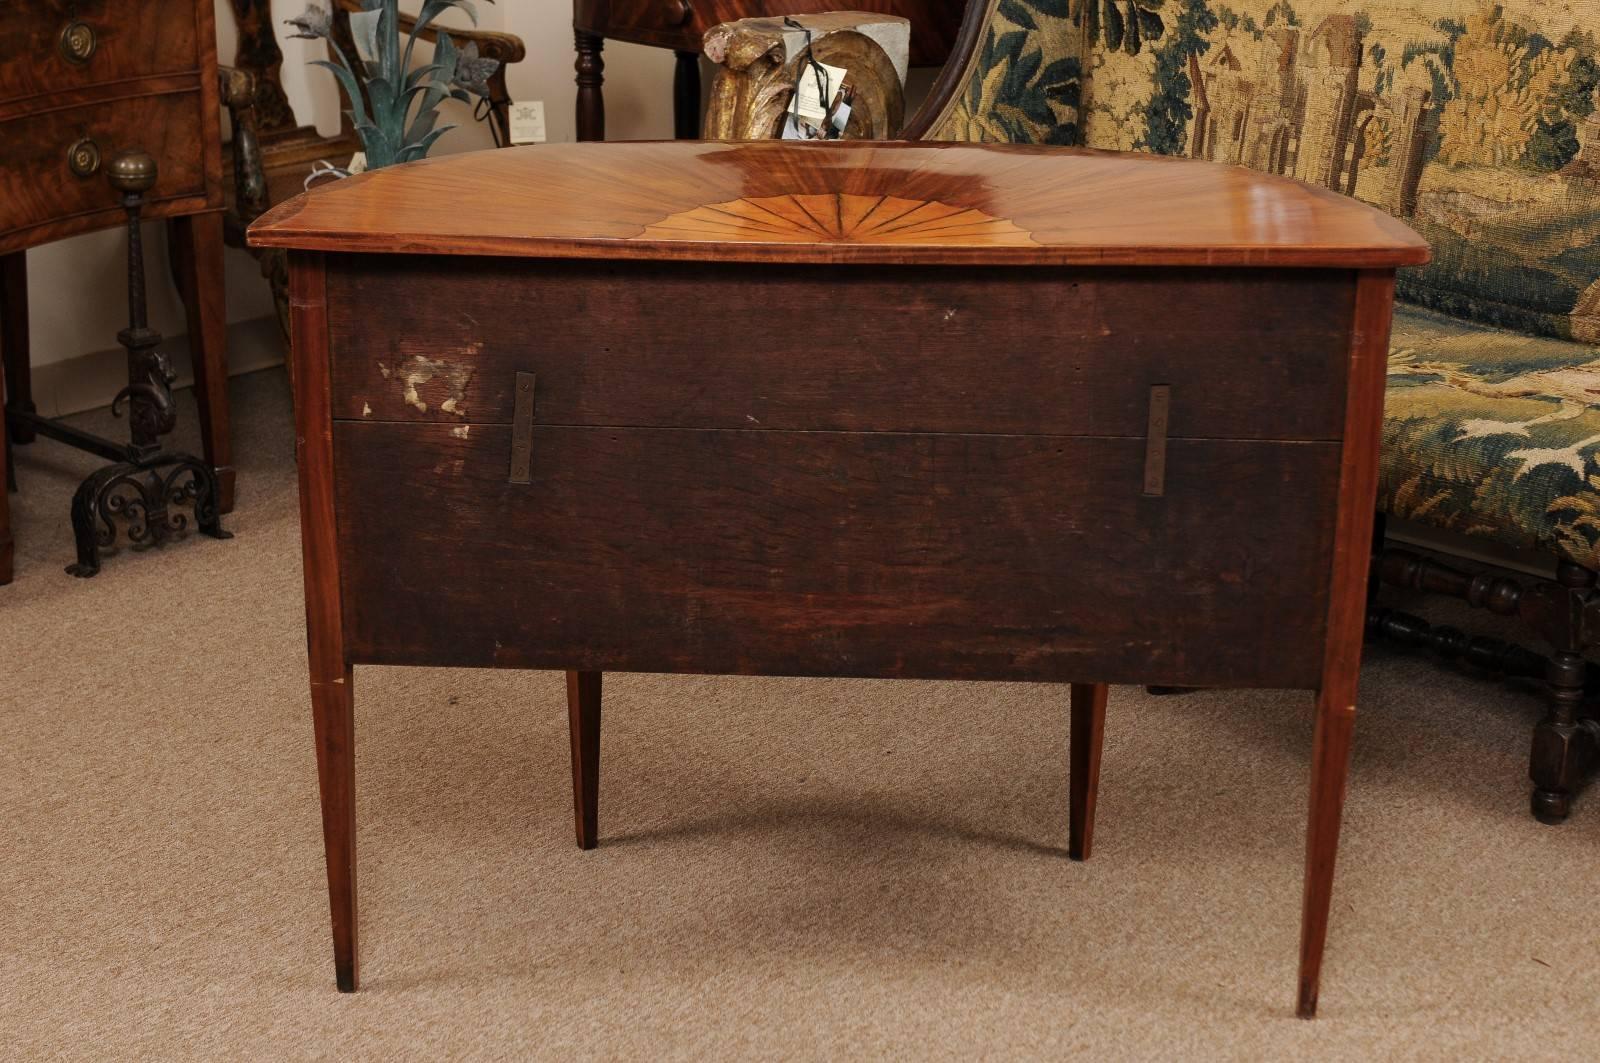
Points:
(937, 450)
(862, 554)
(1247, 354)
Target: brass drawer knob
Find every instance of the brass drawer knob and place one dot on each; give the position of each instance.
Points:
(77, 42)
(132, 172)
(83, 158)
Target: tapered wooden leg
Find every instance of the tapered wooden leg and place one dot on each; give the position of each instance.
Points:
(14, 371)
(1347, 608)
(333, 709)
(14, 351)
(1330, 763)
(1088, 732)
(583, 715)
(332, 693)
(6, 549)
(197, 248)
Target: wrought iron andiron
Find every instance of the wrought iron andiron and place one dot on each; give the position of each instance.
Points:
(146, 489)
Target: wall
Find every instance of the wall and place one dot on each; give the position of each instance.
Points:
(77, 297)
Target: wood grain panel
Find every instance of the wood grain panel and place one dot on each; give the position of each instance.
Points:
(1053, 351)
(37, 186)
(132, 39)
(793, 553)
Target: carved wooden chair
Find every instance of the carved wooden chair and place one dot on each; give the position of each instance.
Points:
(271, 152)
(1482, 130)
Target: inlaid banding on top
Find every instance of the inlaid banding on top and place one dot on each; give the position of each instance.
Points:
(839, 217)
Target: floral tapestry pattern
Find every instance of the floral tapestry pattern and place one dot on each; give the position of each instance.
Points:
(1478, 124)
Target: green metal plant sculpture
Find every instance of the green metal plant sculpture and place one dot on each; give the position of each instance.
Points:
(394, 108)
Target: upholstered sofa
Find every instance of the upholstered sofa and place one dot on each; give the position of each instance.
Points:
(1480, 126)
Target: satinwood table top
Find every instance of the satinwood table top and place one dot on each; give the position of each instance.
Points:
(853, 201)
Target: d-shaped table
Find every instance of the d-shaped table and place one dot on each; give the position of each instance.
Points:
(861, 409)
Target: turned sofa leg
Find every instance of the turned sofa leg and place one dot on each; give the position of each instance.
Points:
(1563, 742)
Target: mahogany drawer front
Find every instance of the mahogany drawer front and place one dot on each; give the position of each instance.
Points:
(47, 46)
(1247, 354)
(835, 553)
(42, 186)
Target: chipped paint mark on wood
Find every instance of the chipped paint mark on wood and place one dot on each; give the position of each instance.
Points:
(366, 409)
(419, 369)
(460, 431)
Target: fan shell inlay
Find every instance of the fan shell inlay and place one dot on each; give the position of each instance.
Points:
(841, 218)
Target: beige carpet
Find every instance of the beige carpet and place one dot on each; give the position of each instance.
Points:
(788, 868)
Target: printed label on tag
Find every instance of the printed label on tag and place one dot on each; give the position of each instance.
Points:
(812, 100)
(841, 117)
(527, 122)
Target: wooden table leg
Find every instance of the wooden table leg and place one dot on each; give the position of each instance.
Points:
(14, 371)
(197, 244)
(591, 77)
(583, 715)
(1330, 764)
(7, 550)
(1347, 601)
(332, 690)
(1087, 735)
(14, 340)
(333, 712)
(686, 96)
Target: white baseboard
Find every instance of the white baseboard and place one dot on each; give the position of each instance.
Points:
(92, 380)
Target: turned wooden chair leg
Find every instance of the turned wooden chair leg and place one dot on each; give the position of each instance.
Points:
(583, 716)
(1087, 735)
(1563, 742)
(590, 66)
(1330, 765)
(333, 709)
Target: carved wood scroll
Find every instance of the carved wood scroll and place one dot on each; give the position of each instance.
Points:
(759, 59)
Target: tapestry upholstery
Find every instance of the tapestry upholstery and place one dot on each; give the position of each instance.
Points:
(1478, 124)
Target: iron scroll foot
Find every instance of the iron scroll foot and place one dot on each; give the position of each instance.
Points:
(152, 501)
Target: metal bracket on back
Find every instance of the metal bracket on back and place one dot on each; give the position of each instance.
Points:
(1155, 441)
(522, 431)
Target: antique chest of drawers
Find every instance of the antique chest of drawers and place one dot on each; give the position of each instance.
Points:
(856, 409)
(82, 81)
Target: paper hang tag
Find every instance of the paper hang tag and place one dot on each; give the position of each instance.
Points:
(527, 122)
(813, 101)
(841, 117)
